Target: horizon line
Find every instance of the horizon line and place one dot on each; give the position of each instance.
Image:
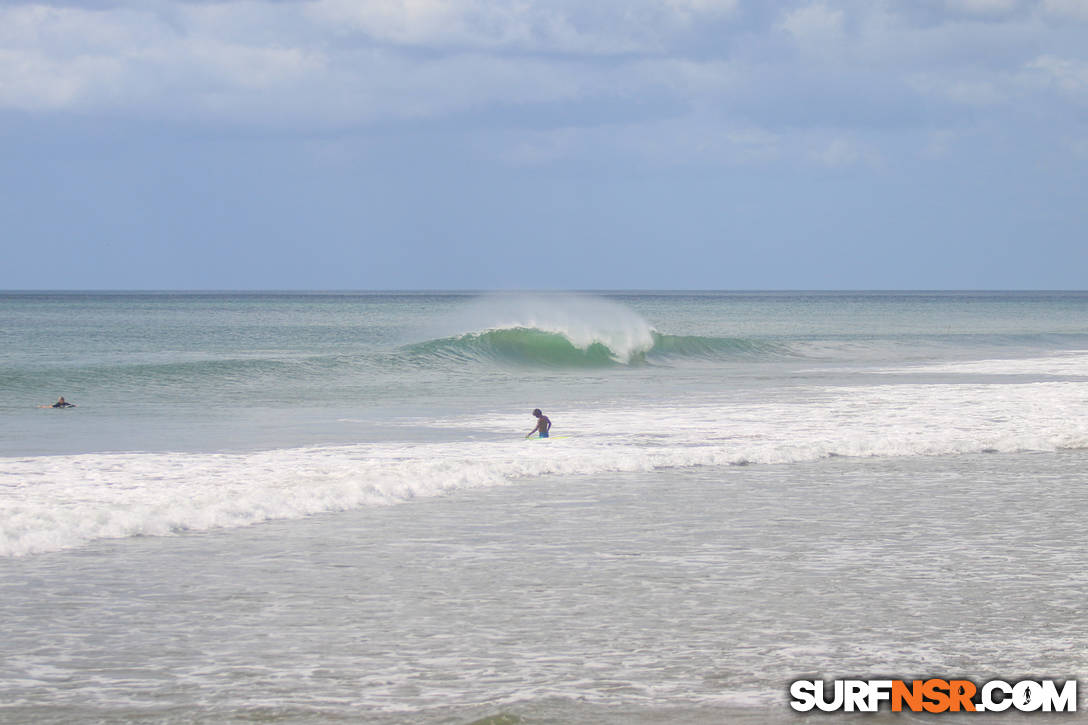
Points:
(542, 290)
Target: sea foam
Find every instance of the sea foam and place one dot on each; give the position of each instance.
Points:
(51, 503)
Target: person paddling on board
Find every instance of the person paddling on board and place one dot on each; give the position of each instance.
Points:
(543, 425)
(61, 403)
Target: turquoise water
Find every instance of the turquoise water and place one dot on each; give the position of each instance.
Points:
(319, 507)
(213, 372)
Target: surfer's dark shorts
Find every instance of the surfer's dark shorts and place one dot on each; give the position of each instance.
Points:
(543, 434)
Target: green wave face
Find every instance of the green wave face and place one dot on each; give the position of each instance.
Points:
(519, 345)
(540, 348)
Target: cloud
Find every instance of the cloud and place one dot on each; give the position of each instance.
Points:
(984, 7)
(1069, 75)
(694, 141)
(843, 152)
(33, 81)
(427, 22)
(70, 58)
(705, 6)
(686, 141)
(239, 60)
(815, 26)
(746, 81)
(968, 89)
(690, 10)
(607, 27)
(1068, 9)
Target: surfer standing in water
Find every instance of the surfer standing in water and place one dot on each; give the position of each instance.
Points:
(543, 424)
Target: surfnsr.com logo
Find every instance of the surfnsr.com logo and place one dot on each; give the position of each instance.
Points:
(934, 695)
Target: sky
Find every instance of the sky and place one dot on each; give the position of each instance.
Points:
(544, 144)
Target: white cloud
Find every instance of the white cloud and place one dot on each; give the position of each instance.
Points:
(534, 148)
(689, 79)
(705, 6)
(1067, 74)
(425, 22)
(53, 58)
(57, 58)
(690, 141)
(32, 81)
(689, 9)
(711, 80)
(971, 89)
(1075, 9)
(842, 152)
(602, 28)
(984, 7)
(696, 140)
(814, 26)
(234, 60)
(687, 141)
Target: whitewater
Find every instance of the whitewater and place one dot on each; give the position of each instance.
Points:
(720, 453)
(58, 502)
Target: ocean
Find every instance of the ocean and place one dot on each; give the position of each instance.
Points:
(322, 508)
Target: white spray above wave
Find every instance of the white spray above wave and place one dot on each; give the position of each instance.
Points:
(581, 319)
(59, 502)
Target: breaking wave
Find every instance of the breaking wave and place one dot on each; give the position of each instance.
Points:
(567, 331)
(537, 347)
(52, 503)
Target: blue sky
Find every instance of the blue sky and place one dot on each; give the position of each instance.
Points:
(524, 144)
